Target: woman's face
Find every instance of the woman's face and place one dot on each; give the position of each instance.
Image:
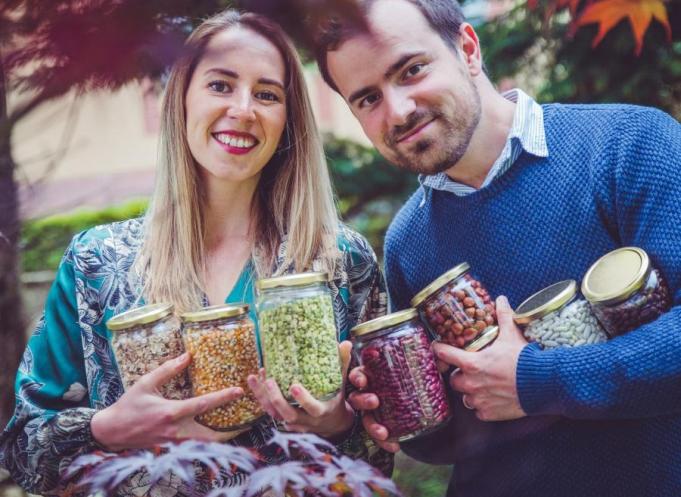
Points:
(236, 105)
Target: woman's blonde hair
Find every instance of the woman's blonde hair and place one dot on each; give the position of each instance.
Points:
(294, 197)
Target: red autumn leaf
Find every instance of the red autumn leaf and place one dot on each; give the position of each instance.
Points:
(608, 13)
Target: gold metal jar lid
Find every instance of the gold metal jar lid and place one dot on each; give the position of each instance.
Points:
(485, 338)
(439, 282)
(545, 301)
(299, 279)
(616, 276)
(384, 322)
(215, 312)
(141, 315)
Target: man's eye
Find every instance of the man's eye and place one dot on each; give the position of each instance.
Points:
(414, 70)
(369, 100)
(267, 95)
(219, 86)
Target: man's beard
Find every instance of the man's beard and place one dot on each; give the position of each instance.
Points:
(435, 155)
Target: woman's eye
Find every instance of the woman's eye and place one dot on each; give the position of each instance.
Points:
(267, 95)
(219, 86)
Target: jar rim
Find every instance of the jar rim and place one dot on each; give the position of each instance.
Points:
(439, 282)
(384, 322)
(215, 312)
(145, 314)
(288, 280)
(545, 301)
(484, 339)
(616, 276)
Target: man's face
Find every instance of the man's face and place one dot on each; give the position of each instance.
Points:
(412, 93)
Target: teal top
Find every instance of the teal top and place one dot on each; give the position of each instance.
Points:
(69, 371)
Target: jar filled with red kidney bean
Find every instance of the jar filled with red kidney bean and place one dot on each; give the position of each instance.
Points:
(625, 291)
(400, 366)
(458, 309)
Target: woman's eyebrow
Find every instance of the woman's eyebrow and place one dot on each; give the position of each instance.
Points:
(232, 74)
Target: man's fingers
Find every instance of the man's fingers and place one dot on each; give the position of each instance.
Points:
(453, 356)
(379, 433)
(363, 401)
(166, 372)
(307, 402)
(203, 403)
(508, 330)
(358, 378)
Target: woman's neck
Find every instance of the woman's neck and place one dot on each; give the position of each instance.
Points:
(228, 211)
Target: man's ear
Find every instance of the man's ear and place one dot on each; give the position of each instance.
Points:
(469, 47)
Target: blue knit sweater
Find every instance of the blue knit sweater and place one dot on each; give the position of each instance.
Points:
(604, 419)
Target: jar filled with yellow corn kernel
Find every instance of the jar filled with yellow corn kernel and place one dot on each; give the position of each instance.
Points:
(221, 340)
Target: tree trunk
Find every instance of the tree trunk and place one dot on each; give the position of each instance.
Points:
(12, 329)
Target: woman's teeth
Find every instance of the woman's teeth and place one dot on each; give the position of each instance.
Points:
(234, 141)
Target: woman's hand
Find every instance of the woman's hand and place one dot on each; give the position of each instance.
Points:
(142, 418)
(327, 419)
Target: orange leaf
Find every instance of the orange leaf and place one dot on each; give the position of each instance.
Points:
(608, 13)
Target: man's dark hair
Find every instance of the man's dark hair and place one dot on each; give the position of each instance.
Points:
(444, 16)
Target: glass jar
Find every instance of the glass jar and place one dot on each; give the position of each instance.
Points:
(401, 370)
(458, 309)
(555, 317)
(625, 291)
(221, 340)
(298, 331)
(143, 339)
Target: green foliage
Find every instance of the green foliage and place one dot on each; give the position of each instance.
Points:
(43, 241)
(370, 190)
(416, 479)
(558, 65)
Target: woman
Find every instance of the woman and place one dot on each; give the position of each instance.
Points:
(242, 192)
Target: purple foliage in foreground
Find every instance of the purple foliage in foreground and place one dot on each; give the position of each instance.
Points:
(309, 463)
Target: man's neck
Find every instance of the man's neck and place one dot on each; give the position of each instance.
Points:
(488, 140)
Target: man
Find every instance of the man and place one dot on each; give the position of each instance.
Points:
(529, 195)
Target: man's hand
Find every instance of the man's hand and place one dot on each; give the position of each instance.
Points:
(367, 402)
(142, 418)
(327, 419)
(488, 378)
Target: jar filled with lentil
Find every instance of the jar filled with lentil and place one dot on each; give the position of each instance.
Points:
(144, 338)
(298, 332)
(625, 291)
(555, 317)
(395, 353)
(458, 309)
(221, 340)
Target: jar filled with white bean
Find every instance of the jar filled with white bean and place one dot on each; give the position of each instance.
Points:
(555, 317)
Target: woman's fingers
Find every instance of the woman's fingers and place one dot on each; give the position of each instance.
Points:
(203, 403)
(257, 386)
(287, 412)
(308, 403)
(165, 372)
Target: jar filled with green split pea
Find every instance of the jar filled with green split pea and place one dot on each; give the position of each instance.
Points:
(221, 340)
(298, 333)
(144, 338)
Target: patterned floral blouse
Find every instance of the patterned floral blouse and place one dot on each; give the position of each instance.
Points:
(68, 370)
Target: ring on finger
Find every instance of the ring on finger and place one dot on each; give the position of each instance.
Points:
(465, 403)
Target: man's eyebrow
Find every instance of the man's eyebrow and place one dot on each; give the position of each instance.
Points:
(232, 74)
(401, 62)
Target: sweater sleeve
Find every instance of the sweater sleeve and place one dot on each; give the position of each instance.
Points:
(51, 421)
(638, 374)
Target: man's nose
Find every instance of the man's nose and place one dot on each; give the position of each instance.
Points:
(400, 106)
